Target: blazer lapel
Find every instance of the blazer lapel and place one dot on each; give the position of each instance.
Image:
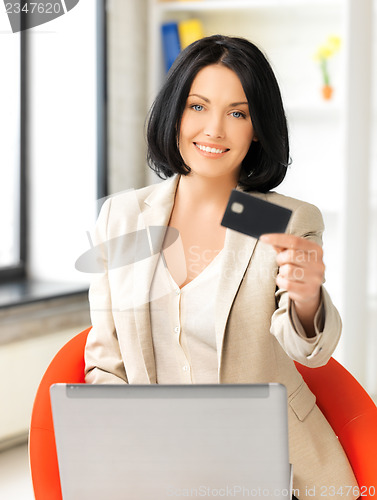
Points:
(238, 250)
(154, 217)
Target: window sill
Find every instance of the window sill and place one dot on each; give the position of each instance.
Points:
(31, 308)
(29, 291)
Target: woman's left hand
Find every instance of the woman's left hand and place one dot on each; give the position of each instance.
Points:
(301, 267)
(301, 272)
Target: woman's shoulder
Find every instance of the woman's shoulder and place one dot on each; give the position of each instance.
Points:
(120, 212)
(306, 217)
(286, 201)
(134, 199)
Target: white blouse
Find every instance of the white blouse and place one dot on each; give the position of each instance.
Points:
(183, 326)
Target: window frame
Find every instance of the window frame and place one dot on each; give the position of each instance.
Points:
(102, 108)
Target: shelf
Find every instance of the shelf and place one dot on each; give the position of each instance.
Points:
(218, 5)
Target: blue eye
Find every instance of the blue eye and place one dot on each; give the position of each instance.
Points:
(197, 107)
(238, 114)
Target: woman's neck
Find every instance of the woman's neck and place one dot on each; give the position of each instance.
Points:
(207, 193)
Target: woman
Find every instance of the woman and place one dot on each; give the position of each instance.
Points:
(213, 305)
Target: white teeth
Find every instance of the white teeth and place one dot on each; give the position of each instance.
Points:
(210, 150)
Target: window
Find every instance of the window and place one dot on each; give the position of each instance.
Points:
(55, 117)
(12, 157)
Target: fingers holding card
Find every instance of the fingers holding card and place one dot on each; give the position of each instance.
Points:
(301, 267)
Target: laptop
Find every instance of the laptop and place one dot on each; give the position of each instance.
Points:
(158, 442)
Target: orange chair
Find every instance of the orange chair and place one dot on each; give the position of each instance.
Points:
(348, 408)
(353, 416)
(66, 367)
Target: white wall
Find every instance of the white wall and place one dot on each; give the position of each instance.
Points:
(127, 78)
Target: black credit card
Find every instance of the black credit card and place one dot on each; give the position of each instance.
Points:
(252, 216)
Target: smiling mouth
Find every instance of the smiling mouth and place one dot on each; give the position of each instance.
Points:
(207, 149)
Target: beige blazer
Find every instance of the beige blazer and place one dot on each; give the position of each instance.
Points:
(258, 334)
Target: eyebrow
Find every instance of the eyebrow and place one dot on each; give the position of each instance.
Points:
(207, 100)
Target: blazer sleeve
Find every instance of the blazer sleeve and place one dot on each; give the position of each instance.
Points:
(103, 359)
(307, 222)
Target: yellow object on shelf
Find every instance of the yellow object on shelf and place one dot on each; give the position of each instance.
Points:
(323, 54)
(190, 31)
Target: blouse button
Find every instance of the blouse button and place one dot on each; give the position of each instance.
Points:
(176, 329)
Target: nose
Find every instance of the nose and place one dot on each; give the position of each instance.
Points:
(214, 126)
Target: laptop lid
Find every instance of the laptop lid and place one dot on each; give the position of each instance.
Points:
(160, 441)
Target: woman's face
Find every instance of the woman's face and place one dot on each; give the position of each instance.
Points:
(216, 129)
